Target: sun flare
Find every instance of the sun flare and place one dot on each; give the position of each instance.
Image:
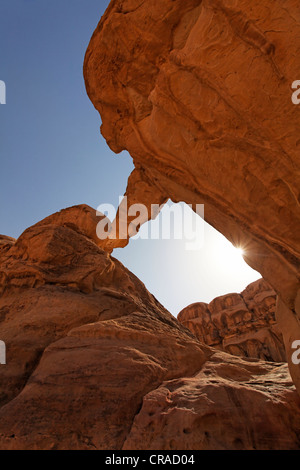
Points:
(240, 251)
(230, 255)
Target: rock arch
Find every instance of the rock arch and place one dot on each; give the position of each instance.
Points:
(199, 93)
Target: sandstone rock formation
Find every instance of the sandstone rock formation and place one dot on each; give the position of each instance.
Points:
(199, 93)
(240, 324)
(85, 340)
(95, 362)
(6, 242)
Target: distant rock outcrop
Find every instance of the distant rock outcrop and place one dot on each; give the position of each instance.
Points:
(240, 324)
(95, 362)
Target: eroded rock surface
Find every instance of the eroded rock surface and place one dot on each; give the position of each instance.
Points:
(229, 404)
(88, 346)
(6, 242)
(240, 324)
(199, 93)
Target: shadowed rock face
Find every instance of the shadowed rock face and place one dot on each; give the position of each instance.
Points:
(240, 324)
(95, 362)
(199, 92)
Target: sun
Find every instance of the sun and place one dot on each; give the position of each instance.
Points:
(230, 255)
(239, 250)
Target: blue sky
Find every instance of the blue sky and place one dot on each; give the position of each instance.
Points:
(53, 156)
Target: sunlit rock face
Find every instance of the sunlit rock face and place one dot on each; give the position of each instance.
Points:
(95, 362)
(240, 324)
(199, 92)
